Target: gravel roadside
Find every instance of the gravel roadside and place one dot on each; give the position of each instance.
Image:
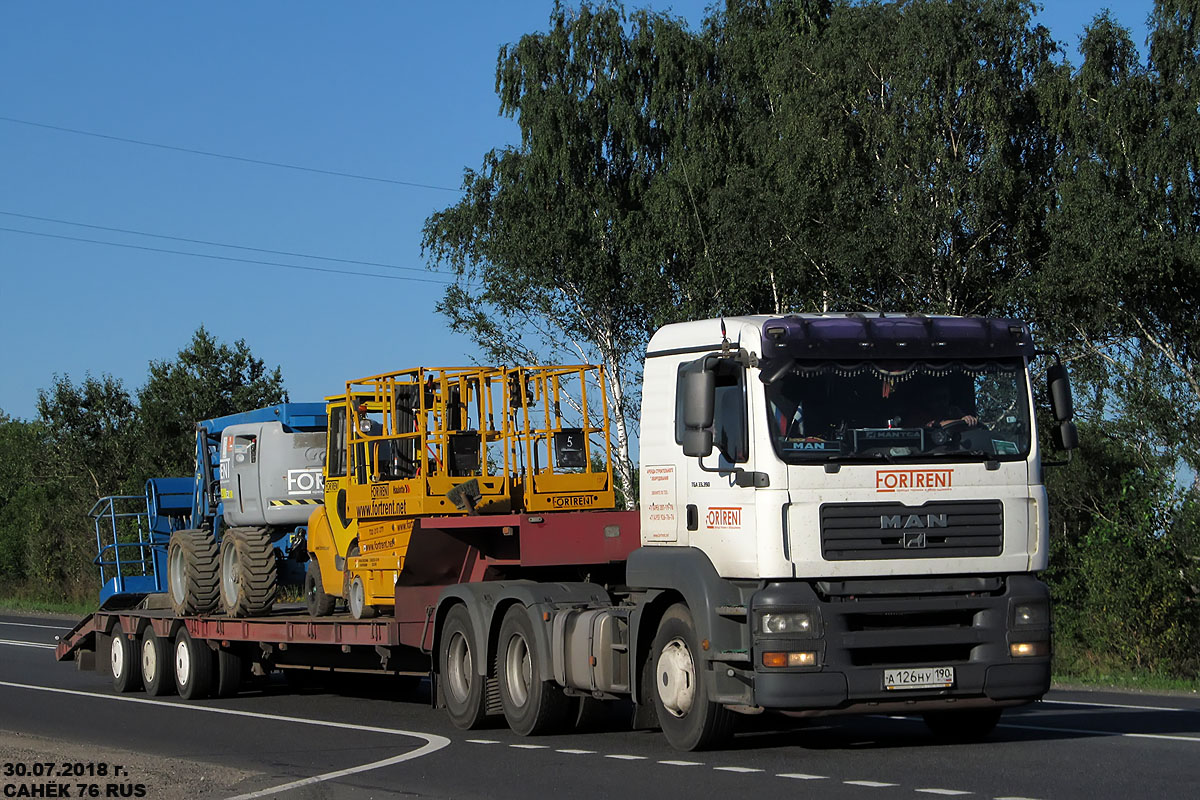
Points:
(173, 779)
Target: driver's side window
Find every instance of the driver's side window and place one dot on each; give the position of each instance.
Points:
(730, 431)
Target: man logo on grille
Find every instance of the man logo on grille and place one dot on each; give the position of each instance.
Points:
(913, 521)
(914, 540)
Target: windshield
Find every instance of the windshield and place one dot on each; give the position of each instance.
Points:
(893, 410)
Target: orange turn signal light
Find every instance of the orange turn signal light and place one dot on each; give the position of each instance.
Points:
(802, 659)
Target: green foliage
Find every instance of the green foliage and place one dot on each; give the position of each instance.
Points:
(1125, 563)
(206, 379)
(91, 440)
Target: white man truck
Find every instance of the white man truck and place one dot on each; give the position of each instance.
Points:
(839, 513)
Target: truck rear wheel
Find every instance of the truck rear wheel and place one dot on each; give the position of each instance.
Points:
(123, 662)
(193, 666)
(967, 725)
(249, 576)
(156, 664)
(531, 704)
(192, 572)
(319, 604)
(462, 687)
(689, 719)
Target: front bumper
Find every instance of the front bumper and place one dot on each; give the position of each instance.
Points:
(858, 636)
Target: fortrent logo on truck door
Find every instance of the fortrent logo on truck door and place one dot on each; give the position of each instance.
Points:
(723, 518)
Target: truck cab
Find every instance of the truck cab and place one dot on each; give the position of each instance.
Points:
(862, 497)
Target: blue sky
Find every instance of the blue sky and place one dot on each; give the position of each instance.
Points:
(402, 91)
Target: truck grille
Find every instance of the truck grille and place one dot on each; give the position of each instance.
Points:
(938, 529)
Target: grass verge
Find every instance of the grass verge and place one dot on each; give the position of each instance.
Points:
(31, 604)
(1128, 682)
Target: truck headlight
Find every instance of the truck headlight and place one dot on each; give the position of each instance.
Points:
(1028, 615)
(794, 622)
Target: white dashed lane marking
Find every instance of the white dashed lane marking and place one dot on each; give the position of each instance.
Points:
(626, 757)
(29, 625)
(946, 792)
(27, 644)
(800, 776)
(870, 784)
(531, 746)
(674, 763)
(483, 741)
(573, 752)
(736, 769)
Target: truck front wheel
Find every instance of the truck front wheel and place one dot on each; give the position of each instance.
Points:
(531, 704)
(462, 687)
(689, 719)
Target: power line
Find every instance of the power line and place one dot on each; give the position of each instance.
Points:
(226, 258)
(226, 156)
(213, 244)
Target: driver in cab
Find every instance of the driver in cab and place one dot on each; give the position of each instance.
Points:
(933, 409)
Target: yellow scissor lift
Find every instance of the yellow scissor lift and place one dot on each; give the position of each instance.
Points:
(430, 442)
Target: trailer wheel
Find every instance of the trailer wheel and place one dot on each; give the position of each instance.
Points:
(192, 572)
(967, 725)
(193, 666)
(462, 686)
(531, 704)
(231, 668)
(249, 575)
(123, 662)
(156, 664)
(319, 604)
(689, 719)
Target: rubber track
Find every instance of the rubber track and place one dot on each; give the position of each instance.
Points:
(258, 582)
(201, 571)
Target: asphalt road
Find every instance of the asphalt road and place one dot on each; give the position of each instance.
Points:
(369, 740)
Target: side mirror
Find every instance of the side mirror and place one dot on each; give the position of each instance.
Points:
(699, 393)
(1060, 393)
(1066, 436)
(699, 388)
(697, 443)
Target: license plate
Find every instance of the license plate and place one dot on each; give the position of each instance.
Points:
(919, 678)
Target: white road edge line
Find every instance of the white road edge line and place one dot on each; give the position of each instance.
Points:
(15, 643)
(63, 628)
(1115, 705)
(1094, 732)
(433, 742)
